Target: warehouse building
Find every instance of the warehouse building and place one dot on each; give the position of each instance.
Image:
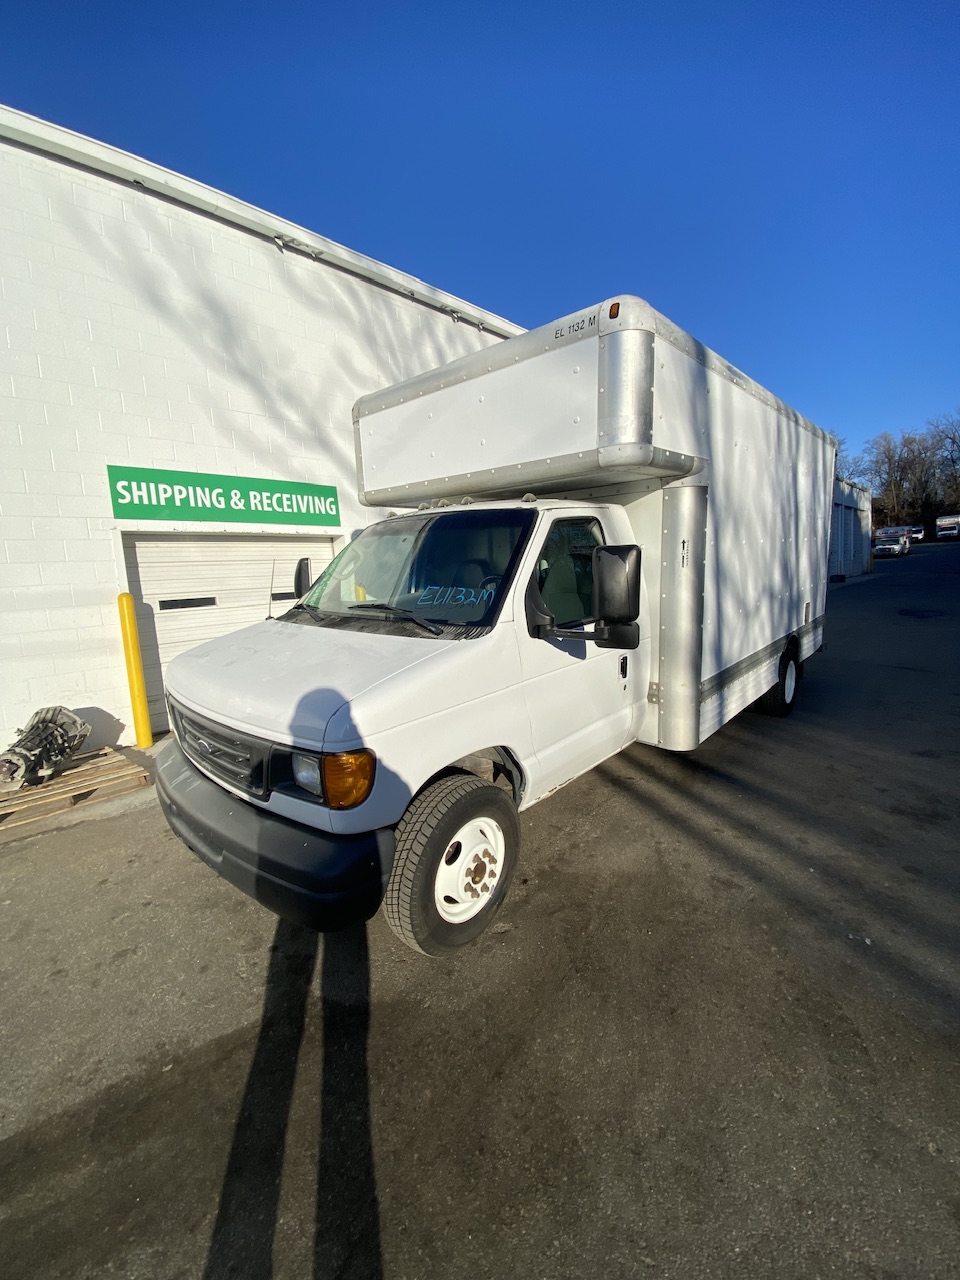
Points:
(850, 530)
(178, 373)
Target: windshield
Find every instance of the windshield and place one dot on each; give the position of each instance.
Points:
(446, 568)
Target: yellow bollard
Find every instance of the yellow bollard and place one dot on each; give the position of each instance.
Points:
(131, 651)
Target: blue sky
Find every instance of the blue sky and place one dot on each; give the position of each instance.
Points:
(782, 180)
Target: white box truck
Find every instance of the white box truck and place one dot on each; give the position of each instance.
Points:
(603, 534)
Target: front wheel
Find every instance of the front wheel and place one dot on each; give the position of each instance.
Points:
(457, 847)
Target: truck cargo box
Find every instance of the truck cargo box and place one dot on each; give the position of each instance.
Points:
(609, 395)
(728, 490)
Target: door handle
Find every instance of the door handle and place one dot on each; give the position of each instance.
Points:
(623, 667)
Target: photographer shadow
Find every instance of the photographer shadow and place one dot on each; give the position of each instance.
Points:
(346, 1226)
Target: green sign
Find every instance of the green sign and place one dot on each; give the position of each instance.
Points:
(143, 493)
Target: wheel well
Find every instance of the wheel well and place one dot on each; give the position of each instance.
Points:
(793, 647)
(496, 765)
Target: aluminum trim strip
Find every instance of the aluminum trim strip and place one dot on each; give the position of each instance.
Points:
(636, 313)
(681, 616)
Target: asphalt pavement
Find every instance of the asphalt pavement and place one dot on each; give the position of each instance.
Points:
(714, 1032)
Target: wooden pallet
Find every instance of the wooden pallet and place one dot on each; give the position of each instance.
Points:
(98, 775)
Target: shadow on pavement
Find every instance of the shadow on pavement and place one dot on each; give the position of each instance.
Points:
(347, 1225)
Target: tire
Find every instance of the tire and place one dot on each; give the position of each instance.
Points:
(780, 700)
(457, 847)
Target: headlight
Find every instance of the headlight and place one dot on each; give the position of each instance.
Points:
(306, 771)
(342, 780)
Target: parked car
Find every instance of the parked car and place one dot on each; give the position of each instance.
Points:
(891, 544)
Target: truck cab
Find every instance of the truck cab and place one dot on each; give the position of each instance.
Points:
(490, 650)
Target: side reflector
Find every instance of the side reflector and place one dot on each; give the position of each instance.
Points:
(614, 310)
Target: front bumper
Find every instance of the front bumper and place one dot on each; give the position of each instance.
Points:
(325, 881)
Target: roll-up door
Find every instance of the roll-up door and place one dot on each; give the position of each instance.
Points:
(189, 588)
(836, 541)
(850, 544)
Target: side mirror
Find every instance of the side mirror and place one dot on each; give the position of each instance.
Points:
(619, 635)
(302, 578)
(616, 585)
(540, 621)
(616, 603)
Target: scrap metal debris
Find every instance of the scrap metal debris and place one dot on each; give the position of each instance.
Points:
(52, 736)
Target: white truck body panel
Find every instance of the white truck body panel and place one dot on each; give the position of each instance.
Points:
(769, 479)
(507, 419)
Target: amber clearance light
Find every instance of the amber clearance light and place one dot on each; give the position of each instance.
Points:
(347, 778)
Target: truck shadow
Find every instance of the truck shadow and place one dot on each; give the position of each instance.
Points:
(346, 1227)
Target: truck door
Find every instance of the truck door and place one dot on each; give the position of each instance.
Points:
(579, 697)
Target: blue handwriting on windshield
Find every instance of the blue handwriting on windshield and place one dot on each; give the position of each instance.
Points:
(455, 597)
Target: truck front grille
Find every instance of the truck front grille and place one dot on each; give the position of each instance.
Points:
(238, 759)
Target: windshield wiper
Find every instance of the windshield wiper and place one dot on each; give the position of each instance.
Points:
(396, 612)
(316, 614)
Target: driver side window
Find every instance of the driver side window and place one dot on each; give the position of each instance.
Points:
(565, 570)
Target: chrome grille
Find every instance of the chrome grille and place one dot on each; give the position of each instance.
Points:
(236, 758)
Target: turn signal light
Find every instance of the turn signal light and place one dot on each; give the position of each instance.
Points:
(347, 778)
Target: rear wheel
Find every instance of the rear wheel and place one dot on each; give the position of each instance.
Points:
(779, 701)
(456, 850)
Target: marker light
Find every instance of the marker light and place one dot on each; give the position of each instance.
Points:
(347, 778)
(614, 310)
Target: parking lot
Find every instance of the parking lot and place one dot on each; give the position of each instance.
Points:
(714, 1032)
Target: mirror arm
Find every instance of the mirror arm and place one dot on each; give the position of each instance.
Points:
(562, 633)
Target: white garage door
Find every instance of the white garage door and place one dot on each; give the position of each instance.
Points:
(190, 588)
(837, 534)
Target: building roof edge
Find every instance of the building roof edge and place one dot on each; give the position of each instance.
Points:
(99, 157)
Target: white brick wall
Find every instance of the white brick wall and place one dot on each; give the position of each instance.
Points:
(136, 330)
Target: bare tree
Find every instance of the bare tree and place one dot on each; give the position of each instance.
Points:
(883, 473)
(846, 465)
(914, 477)
(946, 432)
(919, 466)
